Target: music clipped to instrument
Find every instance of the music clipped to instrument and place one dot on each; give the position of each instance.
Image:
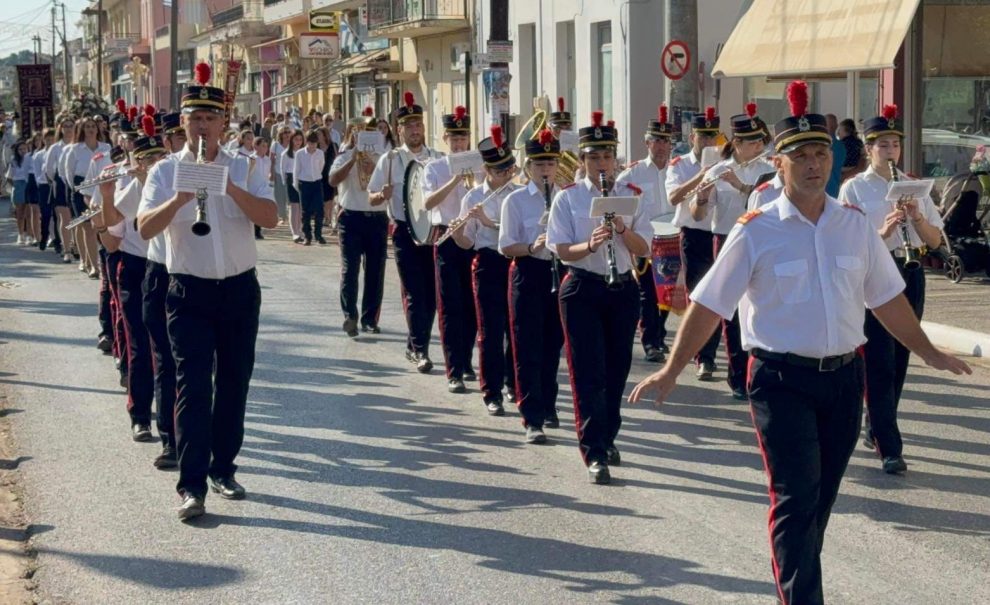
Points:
(191, 177)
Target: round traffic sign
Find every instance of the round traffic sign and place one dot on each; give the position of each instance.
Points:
(675, 59)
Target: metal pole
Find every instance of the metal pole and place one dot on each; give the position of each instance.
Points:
(681, 21)
(99, 48)
(173, 42)
(65, 54)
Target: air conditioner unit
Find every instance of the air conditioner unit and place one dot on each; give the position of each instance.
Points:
(457, 52)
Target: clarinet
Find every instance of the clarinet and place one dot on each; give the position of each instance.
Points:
(911, 260)
(612, 280)
(555, 272)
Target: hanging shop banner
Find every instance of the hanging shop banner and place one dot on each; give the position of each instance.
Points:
(324, 21)
(319, 46)
(36, 99)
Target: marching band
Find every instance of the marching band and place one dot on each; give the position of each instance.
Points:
(521, 262)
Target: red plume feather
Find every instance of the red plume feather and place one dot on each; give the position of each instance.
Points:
(148, 124)
(121, 105)
(409, 99)
(610, 123)
(560, 104)
(459, 112)
(149, 110)
(797, 98)
(203, 73)
(368, 112)
(889, 112)
(546, 137)
(710, 113)
(662, 114)
(132, 114)
(751, 109)
(596, 118)
(497, 135)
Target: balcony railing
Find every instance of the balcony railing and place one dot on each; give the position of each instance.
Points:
(386, 13)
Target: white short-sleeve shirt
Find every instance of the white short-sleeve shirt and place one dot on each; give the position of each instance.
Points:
(801, 288)
(436, 174)
(350, 195)
(682, 169)
(868, 190)
(652, 180)
(126, 200)
(523, 218)
(481, 235)
(765, 193)
(393, 164)
(726, 203)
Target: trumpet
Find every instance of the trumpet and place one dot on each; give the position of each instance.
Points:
(201, 227)
(707, 182)
(612, 280)
(119, 170)
(911, 254)
(458, 223)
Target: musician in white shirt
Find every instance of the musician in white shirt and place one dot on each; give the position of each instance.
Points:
(414, 262)
(214, 297)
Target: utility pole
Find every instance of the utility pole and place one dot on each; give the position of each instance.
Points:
(173, 42)
(53, 38)
(681, 21)
(499, 32)
(65, 55)
(36, 39)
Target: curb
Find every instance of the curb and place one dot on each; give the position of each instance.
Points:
(968, 342)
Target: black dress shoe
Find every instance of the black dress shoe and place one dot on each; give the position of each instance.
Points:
(192, 506)
(141, 432)
(739, 395)
(469, 375)
(350, 327)
(894, 465)
(104, 344)
(123, 379)
(167, 459)
(535, 435)
(321, 241)
(654, 355)
(371, 329)
(411, 356)
(552, 422)
(308, 242)
(664, 349)
(227, 487)
(598, 473)
(456, 385)
(612, 456)
(510, 395)
(495, 408)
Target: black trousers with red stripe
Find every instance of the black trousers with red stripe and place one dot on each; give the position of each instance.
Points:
(490, 277)
(652, 321)
(140, 370)
(807, 423)
(733, 340)
(886, 369)
(455, 306)
(537, 336)
(599, 327)
(698, 251)
(112, 269)
(104, 312)
(416, 274)
(154, 290)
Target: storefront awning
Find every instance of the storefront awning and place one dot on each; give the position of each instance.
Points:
(807, 37)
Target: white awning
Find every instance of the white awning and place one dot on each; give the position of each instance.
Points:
(807, 37)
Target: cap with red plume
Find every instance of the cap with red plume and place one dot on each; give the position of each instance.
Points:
(800, 128)
(149, 110)
(707, 122)
(148, 125)
(457, 122)
(409, 109)
(884, 124)
(659, 128)
(561, 117)
(494, 150)
(797, 98)
(203, 73)
(149, 142)
(121, 106)
(598, 134)
(543, 146)
(748, 125)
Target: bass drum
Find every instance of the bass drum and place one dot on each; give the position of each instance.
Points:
(668, 270)
(417, 217)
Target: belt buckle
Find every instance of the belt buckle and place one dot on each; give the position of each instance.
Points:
(821, 365)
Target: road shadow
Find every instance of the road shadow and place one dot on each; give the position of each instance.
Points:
(160, 574)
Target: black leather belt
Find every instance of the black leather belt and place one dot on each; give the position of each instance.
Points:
(585, 274)
(823, 364)
(370, 213)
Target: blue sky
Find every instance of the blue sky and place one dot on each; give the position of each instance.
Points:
(20, 20)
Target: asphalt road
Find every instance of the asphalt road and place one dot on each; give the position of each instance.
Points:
(369, 483)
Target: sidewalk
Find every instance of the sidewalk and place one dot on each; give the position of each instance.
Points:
(957, 316)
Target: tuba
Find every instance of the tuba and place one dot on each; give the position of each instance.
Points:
(568, 163)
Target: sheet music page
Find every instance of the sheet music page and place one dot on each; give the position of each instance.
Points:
(569, 141)
(371, 142)
(620, 206)
(912, 189)
(190, 177)
(465, 161)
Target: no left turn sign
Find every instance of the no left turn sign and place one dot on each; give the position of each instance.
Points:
(675, 59)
